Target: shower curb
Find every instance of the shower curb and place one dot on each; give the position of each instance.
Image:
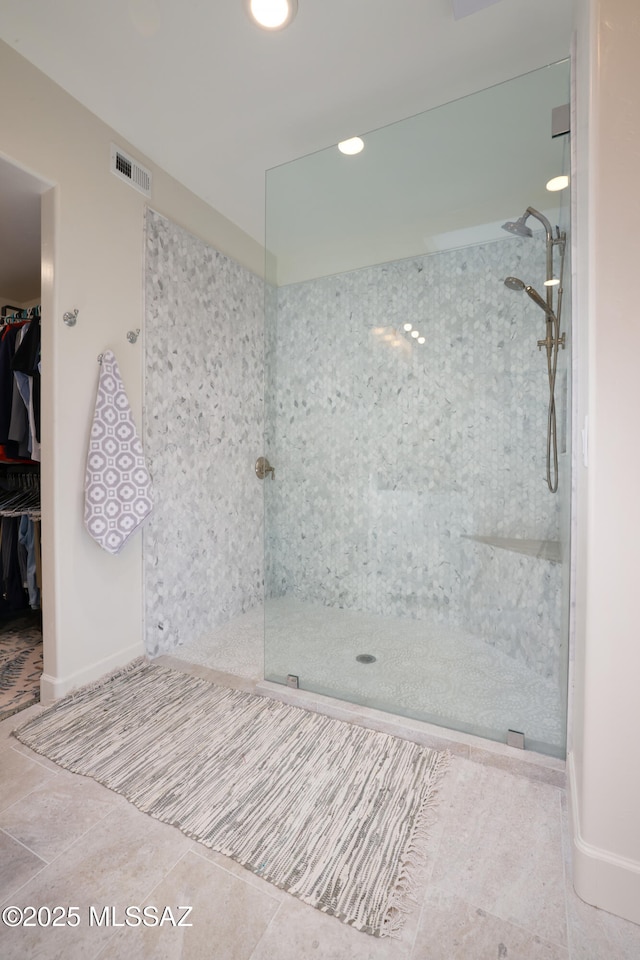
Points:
(529, 764)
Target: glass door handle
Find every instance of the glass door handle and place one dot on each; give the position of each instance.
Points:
(263, 468)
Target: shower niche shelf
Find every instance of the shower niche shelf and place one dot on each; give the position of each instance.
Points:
(543, 549)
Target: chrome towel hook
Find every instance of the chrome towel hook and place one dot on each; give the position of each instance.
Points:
(264, 468)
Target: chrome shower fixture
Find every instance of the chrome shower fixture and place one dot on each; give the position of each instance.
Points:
(514, 283)
(553, 339)
(518, 227)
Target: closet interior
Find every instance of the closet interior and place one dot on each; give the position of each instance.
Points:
(20, 555)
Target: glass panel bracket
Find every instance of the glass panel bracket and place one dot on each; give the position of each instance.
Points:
(515, 739)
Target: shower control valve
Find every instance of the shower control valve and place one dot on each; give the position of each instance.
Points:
(550, 342)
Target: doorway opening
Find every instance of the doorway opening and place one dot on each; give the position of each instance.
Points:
(21, 634)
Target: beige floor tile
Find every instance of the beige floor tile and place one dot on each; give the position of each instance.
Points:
(17, 866)
(228, 918)
(498, 881)
(17, 720)
(36, 757)
(237, 870)
(452, 929)
(56, 814)
(597, 935)
(118, 863)
(300, 932)
(19, 776)
(501, 849)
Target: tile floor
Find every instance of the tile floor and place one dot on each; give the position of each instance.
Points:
(497, 886)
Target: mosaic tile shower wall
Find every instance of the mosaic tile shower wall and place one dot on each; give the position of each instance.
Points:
(203, 546)
(391, 454)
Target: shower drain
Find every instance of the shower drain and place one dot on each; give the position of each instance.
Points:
(365, 658)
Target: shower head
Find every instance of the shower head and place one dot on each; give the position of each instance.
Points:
(518, 227)
(514, 283)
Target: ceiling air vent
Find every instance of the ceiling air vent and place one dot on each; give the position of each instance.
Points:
(130, 170)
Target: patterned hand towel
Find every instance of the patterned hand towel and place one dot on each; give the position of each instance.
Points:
(117, 483)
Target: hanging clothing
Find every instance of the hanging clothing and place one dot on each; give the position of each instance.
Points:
(20, 391)
(13, 597)
(19, 427)
(19, 444)
(26, 537)
(27, 361)
(10, 449)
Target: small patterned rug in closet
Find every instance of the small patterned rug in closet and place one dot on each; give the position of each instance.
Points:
(20, 662)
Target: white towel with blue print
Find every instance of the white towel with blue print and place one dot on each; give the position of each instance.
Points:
(118, 495)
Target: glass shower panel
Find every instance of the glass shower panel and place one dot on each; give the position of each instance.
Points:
(416, 560)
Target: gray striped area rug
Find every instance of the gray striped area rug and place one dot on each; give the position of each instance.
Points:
(333, 813)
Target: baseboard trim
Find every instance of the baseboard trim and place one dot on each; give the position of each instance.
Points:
(601, 878)
(52, 688)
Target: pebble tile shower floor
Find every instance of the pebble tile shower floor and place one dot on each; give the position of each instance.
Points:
(437, 673)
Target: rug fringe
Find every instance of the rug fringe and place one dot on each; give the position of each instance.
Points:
(415, 862)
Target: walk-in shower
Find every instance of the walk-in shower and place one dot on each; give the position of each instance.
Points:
(414, 560)
(553, 339)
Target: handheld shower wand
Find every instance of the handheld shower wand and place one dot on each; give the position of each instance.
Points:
(553, 339)
(514, 283)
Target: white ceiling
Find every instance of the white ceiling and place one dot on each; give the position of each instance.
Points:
(448, 177)
(216, 102)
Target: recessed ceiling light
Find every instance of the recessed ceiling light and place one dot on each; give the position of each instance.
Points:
(408, 326)
(273, 14)
(558, 183)
(352, 146)
(420, 339)
(415, 333)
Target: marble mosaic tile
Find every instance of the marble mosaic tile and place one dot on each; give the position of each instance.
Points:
(203, 545)
(390, 453)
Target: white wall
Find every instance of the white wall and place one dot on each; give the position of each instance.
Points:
(603, 763)
(92, 261)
